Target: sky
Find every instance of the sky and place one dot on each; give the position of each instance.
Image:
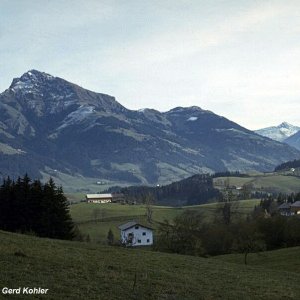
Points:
(237, 58)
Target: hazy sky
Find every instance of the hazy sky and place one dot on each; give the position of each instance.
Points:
(239, 59)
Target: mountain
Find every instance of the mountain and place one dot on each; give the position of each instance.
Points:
(49, 126)
(279, 133)
(294, 140)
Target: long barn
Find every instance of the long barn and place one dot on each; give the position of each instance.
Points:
(104, 198)
(99, 198)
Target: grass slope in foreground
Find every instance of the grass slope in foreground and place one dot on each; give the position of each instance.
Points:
(74, 270)
(287, 259)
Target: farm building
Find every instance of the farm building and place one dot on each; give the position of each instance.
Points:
(134, 234)
(104, 198)
(289, 209)
(99, 198)
(285, 209)
(118, 198)
(295, 208)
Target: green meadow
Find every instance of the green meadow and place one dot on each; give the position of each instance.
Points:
(96, 219)
(276, 182)
(77, 270)
(282, 259)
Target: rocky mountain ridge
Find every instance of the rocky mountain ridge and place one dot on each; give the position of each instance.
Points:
(48, 123)
(279, 133)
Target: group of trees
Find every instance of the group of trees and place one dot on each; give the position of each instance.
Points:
(229, 174)
(293, 197)
(270, 203)
(288, 165)
(33, 207)
(188, 233)
(196, 189)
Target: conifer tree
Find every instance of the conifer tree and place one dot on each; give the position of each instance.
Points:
(27, 206)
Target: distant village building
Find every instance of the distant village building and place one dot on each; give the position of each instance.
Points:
(99, 198)
(295, 208)
(289, 209)
(104, 198)
(134, 234)
(118, 198)
(285, 209)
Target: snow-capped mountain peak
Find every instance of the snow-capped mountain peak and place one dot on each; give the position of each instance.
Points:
(60, 125)
(285, 125)
(29, 79)
(42, 93)
(280, 132)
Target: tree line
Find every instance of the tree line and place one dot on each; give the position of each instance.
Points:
(230, 174)
(33, 207)
(288, 165)
(190, 233)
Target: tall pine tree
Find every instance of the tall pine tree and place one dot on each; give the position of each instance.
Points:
(43, 209)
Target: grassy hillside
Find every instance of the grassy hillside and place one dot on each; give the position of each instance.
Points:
(72, 270)
(282, 259)
(112, 215)
(267, 182)
(78, 186)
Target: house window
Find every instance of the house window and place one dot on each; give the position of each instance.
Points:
(136, 227)
(144, 233)
(148, 240)
(139, 241)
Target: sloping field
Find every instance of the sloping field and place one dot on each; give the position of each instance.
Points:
(96, 219)
(73, 270)
(269, 182)
(287, 259)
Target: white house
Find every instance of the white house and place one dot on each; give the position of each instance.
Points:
(135, 234)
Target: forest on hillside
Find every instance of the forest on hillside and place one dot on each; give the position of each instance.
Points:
(197, 189)
(288, 165)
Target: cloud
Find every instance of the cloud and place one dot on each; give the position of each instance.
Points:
(185, 41)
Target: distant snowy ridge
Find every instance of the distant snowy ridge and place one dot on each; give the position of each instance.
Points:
(279, 133)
